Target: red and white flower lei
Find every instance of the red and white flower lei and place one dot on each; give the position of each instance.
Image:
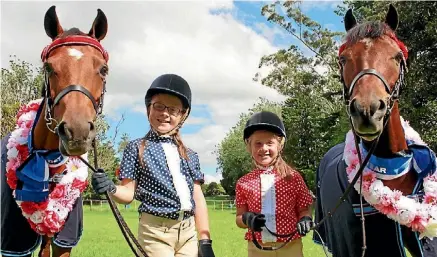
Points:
(48, 217)
(420, 217)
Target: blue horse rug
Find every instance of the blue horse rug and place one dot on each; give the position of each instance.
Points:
(342, 233)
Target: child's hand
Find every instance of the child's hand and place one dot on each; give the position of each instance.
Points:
(304, 225)
(101, 183)
(205, 248)
(258, 223)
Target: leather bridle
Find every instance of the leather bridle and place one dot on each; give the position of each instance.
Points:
(52, 102)
(394, 94)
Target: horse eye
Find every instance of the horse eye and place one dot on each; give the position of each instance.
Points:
(104, 70)
(342, 60)
(47, 68)
(399, 57)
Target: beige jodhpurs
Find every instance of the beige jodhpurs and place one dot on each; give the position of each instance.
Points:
(292, 249)
(162, 237)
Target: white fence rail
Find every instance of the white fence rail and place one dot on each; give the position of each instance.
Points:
(102, 205)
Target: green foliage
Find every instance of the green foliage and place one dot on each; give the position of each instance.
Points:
(21, 83)
(123, 143)
(213, 189)
(418, 30)
(204, 187)
(320, 41)
(106, 154)
(313, 113)
(232, 158)
(107, 160)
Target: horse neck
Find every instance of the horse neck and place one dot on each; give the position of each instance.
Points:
(42, 137)
(392, 139)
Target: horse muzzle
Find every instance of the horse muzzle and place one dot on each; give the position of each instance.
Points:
(75, 139)
(368, 117)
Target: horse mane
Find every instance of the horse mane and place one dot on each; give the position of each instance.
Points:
(370, 29)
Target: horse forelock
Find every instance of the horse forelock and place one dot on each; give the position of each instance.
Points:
(371, 30)
(72, 32)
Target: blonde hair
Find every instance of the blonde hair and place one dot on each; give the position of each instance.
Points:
(280, 166)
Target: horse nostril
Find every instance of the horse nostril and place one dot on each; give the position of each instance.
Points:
(91, 125)
(64, 132)
(381, 105)
(377, 105)
(352, 107)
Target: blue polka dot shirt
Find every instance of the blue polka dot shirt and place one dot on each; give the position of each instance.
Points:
(155, 187)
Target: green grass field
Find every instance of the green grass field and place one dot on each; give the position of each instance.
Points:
(103, 238)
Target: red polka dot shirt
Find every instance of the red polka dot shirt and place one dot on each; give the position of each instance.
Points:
(290, 195)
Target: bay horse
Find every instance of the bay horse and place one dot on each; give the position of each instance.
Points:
(51, 134)
(395, 180)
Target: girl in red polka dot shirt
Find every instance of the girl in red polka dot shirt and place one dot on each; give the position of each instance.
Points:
(273, 195)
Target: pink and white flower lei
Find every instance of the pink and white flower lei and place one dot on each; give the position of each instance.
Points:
(48, 217)
(421, 217)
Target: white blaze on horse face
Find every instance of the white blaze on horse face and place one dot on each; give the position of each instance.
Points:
(75, 53)
(368, 42)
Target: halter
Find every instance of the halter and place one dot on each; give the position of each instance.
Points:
(394, 94)
(49, 101)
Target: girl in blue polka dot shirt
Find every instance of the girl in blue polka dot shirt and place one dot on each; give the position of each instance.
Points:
(164, 175)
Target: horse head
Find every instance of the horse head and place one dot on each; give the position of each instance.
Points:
(75, 67)
(372, 63)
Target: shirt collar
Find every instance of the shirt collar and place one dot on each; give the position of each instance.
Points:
(155, 137)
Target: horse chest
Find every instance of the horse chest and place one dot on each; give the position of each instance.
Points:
(405, 183)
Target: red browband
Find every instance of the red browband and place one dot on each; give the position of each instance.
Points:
(74, 40)
(392, 36)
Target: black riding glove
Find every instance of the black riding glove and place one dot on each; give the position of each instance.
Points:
(259, 222)
(205, 248)
(304, 225)
(101, 183)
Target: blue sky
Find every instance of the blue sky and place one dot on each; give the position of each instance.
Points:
(215, 45)
(249, 14)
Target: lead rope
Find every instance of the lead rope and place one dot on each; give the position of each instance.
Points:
(125, 230)
(339, 202)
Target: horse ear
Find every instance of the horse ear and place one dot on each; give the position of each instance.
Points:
(392, 18)
(349, 20)
(51, 23)
(100, 26)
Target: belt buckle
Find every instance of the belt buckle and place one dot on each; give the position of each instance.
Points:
(181, 215)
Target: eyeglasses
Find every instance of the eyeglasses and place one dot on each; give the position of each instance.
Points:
(171, 110)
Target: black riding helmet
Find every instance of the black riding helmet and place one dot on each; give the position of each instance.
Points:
(264, 120)
(170, 84)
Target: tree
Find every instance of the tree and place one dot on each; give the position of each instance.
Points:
(232, 157)
(214, 189)
(20, 84)
(204, 187)
(313, 113)
(106, 155)
(123, 143)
